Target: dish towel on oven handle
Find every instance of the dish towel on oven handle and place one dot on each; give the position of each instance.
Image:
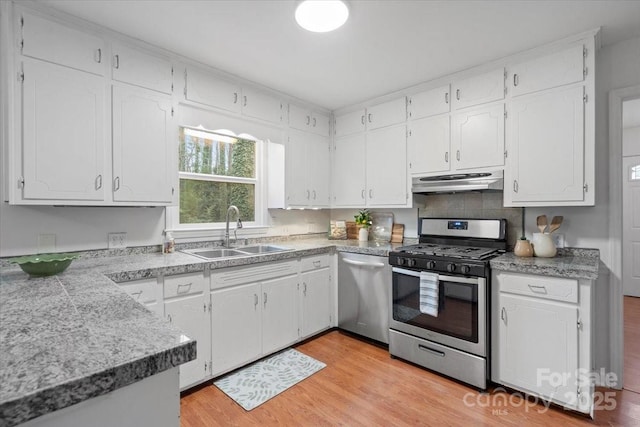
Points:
(429, 291)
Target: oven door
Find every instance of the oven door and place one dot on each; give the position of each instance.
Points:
(461, 320)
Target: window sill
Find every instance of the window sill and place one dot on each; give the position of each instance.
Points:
(202, 234)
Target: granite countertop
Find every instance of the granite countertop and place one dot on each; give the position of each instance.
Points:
(570, 263)
(77, 335)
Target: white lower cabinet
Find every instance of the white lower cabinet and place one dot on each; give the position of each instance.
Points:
(542, 337)
(147, 292)
(186, 307)
(279, 313)
(315, 295)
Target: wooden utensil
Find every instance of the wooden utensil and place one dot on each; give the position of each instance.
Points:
(556, 222)
(397, 233)
(541, 221)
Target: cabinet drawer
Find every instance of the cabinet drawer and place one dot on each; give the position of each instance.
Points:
(314, 262)
(183, 284)
(144, 291)
(554, 288)
(242, 275)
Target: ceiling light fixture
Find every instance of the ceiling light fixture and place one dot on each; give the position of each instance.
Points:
(321, 16)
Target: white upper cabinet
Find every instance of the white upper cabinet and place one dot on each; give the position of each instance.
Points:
(144, 143)
(304, 119)
(428, 145)
(57, 43)
(262, 106)
(63, 139)
(429, 103)
(477, 137)
(546, 154)
(387, 114)
(349, 171)
(386, 155)
(557, 69)
(307, 165)
(349, 123)
(141, 69)
(479, 89)
(203, 88)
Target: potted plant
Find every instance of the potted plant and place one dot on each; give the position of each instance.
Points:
(363, 221)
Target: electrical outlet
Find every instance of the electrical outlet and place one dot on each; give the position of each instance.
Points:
(558, 239)
(117, 240)
(46, 243)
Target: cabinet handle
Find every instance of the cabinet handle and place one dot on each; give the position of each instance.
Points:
(116, 61)
(265, 298)
(431, 350)
(98, 55)
(255, 301)
(308, 120)
(308, 194)
(98, 182)
(516, 79)
(362, 119)
(503, 315)
(515, 186)
(362, 194)
(314, 194)
(458, 94)
(458, 155)
(235, 97)
(446, 97)
(371, 193)
(183, 285)
(314, 122)
(304, 289)
(245, 101)
(317, 263)
(170, 319)
(136, 295)
(116, 184)
(369, 117)
(537, 289)
(446, 157)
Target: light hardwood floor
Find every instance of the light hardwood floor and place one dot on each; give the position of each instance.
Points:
(632, 344)
(363, 386)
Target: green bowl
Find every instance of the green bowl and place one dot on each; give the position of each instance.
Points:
(41, 265)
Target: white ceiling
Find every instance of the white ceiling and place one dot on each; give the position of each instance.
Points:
(385, 45)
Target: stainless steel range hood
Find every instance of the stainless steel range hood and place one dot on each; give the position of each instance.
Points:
(457, 183)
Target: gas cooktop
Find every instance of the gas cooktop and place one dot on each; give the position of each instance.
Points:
(451, 251)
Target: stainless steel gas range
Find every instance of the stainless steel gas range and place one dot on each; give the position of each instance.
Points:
(440, 297)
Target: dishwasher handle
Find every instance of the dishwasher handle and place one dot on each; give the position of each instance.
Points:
(363, 264)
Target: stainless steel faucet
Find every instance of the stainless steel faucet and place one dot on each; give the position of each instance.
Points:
(238, 224)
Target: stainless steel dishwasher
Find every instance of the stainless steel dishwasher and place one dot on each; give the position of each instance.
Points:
(364, 292)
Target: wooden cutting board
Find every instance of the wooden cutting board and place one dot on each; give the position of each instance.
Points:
(397, 233)
(352, 230)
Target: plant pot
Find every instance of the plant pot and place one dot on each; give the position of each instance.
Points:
(523, 248)
(363, 234)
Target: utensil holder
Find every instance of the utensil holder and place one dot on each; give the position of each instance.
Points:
(543, 245)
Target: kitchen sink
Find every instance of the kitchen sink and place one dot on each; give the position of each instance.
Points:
(235, 252)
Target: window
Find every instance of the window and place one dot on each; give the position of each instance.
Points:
(635, 173)
(216, 170)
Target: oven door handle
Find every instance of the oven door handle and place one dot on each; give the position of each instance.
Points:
(454, 279)
(363, 264)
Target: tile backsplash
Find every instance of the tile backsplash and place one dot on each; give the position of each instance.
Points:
(472, 205)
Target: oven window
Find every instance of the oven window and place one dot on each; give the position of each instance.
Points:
(457, 307)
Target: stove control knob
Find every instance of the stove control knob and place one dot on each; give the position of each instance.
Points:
(465, 269)
(451, 268)
(401, 261)
(411, 262)
(431, 265)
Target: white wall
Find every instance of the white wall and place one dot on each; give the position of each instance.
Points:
(630, 140)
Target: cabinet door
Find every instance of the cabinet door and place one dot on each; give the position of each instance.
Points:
(429, 103)
(147, 292)
(316, 301)
(53, 42)
(387, 114)
(538, 343)
(141, 69)
(191, 316)
(349, 123)
(318, 167)
(207, 89)
(547, 147)
(261, 106)
(478, 89)
(428, 145)
(63, 116)
(143, 146)
(299, 118)
(348, 172)
(298, 192)
(235, 326)
(279, 313)
(478, 137)
(558, 69)
(320, 124)
(387, 166)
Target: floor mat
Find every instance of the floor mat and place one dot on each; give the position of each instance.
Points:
(255, 384)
